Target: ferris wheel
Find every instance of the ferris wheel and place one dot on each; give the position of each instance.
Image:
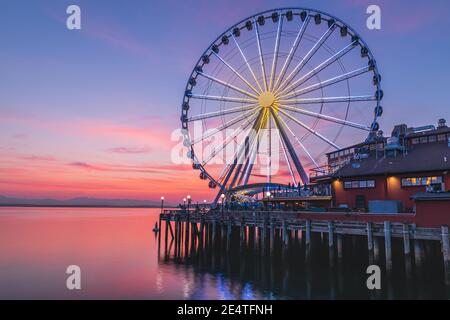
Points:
(299, 73)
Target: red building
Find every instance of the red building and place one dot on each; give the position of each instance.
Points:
(387, 175)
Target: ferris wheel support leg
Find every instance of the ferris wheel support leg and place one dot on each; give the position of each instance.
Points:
(298, 165)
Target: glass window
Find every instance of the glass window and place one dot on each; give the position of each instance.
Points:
(347, 184)
(420, 181)
(441, 137)
(423, 139)
(363, 184)
(432, 139)
(415, 141)
(371, 184)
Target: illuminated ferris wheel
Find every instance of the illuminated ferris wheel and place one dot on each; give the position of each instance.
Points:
(301, 73)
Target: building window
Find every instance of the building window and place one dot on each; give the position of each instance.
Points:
(420, 181)
(415, 141)
(432, 139)
(423, 139)
(441, 137)
(359, 184)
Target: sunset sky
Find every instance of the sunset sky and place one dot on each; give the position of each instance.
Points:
(90, 112)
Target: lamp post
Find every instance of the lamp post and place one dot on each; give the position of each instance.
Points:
(189, 200)
(222, 196)
(204, 205)
(184, 203)
(268, 194)
(162, 204)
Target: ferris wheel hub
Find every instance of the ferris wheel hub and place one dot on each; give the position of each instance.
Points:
(266, 99)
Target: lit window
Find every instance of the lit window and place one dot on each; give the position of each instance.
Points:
(420, 181)
(359, 184)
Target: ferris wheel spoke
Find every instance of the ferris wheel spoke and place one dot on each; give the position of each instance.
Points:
(299, 142)
(319, 68)
(228, 85)
(221, 113)
(275, 55)
(248, 64)
(327, 100)
(298, 165)
(222, 98)
(224, 126)
(292, 51)
(327, 118)
(306, 58)
(326, 83)
(246, 172)
(288, 162)
(314, 132)
(261, 57)
(240, 76)
(232, 136)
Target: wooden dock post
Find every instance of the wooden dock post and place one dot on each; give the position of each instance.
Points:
(369, 237)
(308, 233)
(406, 240)
(214, 230)
(340, 250)
(272, 234)
(446, 254)
(388, 244)
(285, 233)
(330, 234)
(418, 252)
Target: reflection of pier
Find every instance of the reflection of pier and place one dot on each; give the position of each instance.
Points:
(265, 231)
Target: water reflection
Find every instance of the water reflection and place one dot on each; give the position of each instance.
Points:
(121, 258)
(243, 265)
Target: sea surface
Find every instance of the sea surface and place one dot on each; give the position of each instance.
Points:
(120, 257)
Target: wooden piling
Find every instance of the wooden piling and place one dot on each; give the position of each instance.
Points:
(308, 233)
(388, 244)
(285, 233)
(446, 254)
(340, 250)
(406, 240)
(369, 236)
(330, 234)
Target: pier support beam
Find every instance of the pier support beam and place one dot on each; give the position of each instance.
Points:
(418, 252)
(308, 233)
(446, 254)
(406, 240)
(330, 234)
(340, 248)
(388, 244)
(285, 233)
(369, 237)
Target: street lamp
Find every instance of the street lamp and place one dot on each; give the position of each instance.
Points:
(184, 203)
(222, 196)
(189, 202)
(204, 204)
(268, 194)
(162, 204)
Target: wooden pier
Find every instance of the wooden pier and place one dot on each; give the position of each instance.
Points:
(263, 226)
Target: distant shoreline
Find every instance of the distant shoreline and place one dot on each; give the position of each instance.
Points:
(76, 206)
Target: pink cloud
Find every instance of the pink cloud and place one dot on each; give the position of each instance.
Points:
(130, 150)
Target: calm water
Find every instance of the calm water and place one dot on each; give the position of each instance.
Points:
(118, 256)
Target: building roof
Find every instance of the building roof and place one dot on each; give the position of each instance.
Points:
(420, 158)
(430, 196)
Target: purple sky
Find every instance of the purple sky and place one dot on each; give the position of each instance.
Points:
(90, 112)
